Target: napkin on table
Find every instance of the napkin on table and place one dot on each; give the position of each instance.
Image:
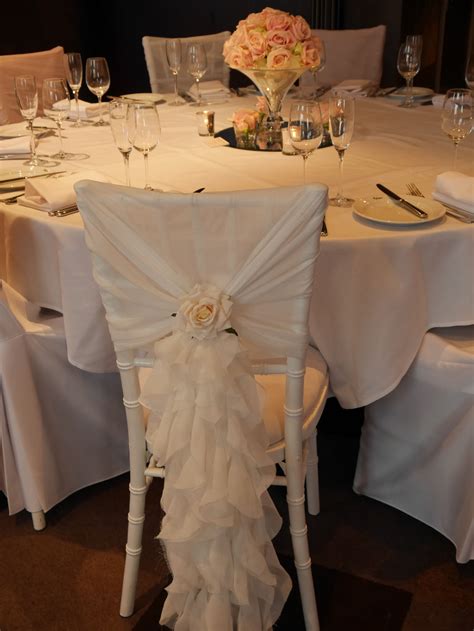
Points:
(210, 91)
(355, 87)
(86, 110)
(15, 145)
(455, 189)
(55, 193)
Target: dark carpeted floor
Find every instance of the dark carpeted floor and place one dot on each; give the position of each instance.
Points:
(375, 568)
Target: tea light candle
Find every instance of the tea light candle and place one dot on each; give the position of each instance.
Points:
(205, 123)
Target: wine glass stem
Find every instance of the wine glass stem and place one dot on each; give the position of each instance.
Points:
(147, 185)
(455, 158)
(61, 150)
(409, 98)
(76, 98)
(176, 87)
(101, 120)
(305, 157)
(126, 161)
(32, 141)
(198, 92)
(340, 153)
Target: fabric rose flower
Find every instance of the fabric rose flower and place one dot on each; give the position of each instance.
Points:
(204, 312)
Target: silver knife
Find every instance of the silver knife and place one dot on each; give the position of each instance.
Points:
(15, 156)
(403, 202)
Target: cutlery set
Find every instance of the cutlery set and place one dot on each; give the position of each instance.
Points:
(450, 210)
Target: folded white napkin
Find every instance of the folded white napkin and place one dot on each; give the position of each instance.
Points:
(55, 193)
(455, 189)
(86, 110)
(15, 145)
(357, 87)
(210, 90)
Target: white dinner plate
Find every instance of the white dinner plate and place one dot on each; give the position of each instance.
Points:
(387, 211)
(11, 179)
(418, 93)
(145, 97)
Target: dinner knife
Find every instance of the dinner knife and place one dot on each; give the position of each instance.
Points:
(403, 202)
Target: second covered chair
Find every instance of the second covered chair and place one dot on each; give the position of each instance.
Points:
(161, 78)
(208, 290)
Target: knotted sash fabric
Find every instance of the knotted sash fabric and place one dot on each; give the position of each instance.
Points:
(178, 271)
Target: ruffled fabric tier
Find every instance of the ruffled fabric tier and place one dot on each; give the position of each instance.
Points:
(205, 427)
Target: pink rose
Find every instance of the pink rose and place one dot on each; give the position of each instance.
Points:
(239, 38)
(238, 57)
(257, 44)
(309, 54)
(278, 21)
(281, 39)
(245, 120)
(279, 58)
(300, 29)
(255, 20)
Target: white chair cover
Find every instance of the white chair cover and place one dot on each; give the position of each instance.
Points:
(43, 64)
(417, 445)
(161, 79)
(350, 54)
(158, 259)
(61, 428)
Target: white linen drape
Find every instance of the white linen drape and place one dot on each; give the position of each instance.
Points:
(258, 248)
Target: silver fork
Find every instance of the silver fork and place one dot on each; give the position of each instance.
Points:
(452, 212)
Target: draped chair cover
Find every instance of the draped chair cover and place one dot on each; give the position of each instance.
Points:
(42, 64)
(158, 259)
(161, 78)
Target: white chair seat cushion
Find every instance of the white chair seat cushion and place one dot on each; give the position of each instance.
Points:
(274, 387)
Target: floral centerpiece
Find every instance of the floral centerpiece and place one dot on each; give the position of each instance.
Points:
(273, 48)
(246, 124)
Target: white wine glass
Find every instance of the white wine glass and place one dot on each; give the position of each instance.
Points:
(173, 57)
(98, 80)
(56, 106)
(341, 128)
(469, 74)
(27, 97)
(408, 65)
(73, 66)
(196, 67)
(118, 117)
(144, 131)
(456, 117)
(305, 129)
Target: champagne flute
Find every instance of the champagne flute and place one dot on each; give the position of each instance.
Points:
(305, 129)
(27, 98)
(173, 57)
(408, 65)
(341, 128)
(469, 75)
(456, 117)
(197, 66)
(56, 105)
(98, 80)
(144, 131)
(73, 65)
(118, 116)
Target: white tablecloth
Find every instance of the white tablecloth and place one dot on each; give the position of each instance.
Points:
(378, 289)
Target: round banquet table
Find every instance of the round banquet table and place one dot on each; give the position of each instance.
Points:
(378, 288)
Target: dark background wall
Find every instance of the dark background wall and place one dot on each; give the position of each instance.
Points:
(114, 29)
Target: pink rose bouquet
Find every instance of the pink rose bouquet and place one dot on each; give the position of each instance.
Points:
(272, 39)
(246, 122)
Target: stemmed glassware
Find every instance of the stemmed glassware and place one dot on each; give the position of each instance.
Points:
(197, 66)
(341, 128)
(56, 105)
(456, 117)
(118, 111)
(305, 129)
(144, 131)
(408, 65)
(318, 68)
(469, 75)
(98, 80)
(173, 57)
(27, 97)
(73, 66)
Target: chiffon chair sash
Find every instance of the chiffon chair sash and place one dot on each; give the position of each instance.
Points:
(209, 280)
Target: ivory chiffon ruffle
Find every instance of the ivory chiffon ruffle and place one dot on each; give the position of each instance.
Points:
(206, 428)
